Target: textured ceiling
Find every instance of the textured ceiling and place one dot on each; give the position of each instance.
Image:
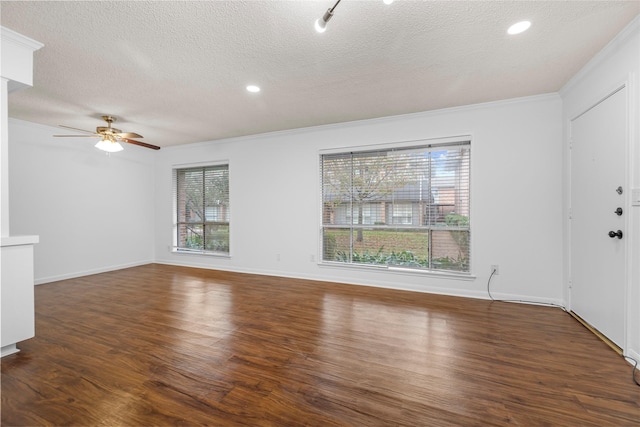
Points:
(176, 71)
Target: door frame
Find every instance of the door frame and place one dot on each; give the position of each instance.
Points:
(625, 86)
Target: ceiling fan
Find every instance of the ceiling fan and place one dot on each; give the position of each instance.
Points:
(110, 137)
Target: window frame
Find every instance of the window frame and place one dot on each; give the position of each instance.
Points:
(176, 248)
(433, 145)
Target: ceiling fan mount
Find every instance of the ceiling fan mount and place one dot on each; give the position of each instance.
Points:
(108, 130)
(110, 137)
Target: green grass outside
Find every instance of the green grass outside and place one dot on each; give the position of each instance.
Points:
(388, 240)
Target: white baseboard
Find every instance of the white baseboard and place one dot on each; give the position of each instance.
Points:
(439, 290)
(478, 294)
(75, 274)
(634, 355)
(8, 349)
(526, 299)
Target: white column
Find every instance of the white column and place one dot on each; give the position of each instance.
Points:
(17, 314)
(16, 72)
(4, 162)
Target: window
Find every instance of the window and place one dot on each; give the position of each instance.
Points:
(202, 201)
(403, 207)
(402, 213)
(367, 214)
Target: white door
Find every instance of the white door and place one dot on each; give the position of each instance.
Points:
(598, 258)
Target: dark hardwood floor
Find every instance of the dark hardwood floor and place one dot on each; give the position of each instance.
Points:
(162, 345)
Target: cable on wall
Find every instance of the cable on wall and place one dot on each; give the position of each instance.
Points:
(633, 371)
(547, 304)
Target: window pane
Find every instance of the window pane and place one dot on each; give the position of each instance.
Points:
(216, 190)
(336, 244)
(190, 197)
(450, 250)
(424, 188)
(190, 236)
(203, 212)
(403, 247)
(217, 238)
(450, 182)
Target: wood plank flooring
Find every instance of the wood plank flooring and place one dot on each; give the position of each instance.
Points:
(163, 345)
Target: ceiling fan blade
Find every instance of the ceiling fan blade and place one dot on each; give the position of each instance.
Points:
(142, 144)
(78, 136)
(81, 130)
(129, 135)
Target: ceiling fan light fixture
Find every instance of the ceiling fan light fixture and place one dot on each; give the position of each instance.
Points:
(110, 137)
(109, 146)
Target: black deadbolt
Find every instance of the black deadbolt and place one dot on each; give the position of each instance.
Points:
(618, 212)
(617, 234)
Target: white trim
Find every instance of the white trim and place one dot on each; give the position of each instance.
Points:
(185, 251)
(83, 273)
(634, 355)
(529, 300)
(19, 240)
(178, 166)
(633, 109)
(363, 282)
(9, 349)
(441, 274)
(399, 145)
(620, 86)
(479, 294)
(19, 39)
(593, 102)
(608, 94)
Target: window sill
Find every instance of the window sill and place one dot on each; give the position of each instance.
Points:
(401, 270)
(199, 252)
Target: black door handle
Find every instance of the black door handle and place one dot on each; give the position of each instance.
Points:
(618, 211)
(617, 234)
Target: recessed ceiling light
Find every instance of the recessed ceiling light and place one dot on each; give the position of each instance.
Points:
(519, 27)
(253, 88)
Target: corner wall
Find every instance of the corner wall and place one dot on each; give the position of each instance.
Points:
(516, 205)
(93, 212)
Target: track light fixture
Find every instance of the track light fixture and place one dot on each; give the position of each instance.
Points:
(321, 23)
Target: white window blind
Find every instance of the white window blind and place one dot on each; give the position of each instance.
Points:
(203, 211)
(398, 207)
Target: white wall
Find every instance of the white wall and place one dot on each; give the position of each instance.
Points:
(96, 213)
(618, 63)
(516, 200)
(93, 212)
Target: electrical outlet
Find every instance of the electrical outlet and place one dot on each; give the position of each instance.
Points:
(277, 257)
(495, 270)
(312, 258)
